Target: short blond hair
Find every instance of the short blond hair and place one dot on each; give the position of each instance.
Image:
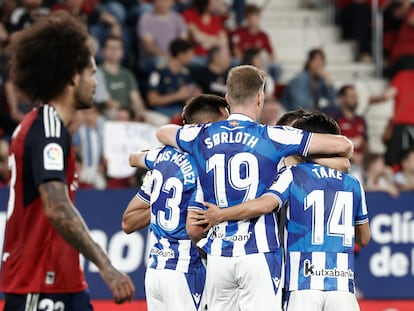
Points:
(244, 82)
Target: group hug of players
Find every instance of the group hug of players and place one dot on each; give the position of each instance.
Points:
(222, 186)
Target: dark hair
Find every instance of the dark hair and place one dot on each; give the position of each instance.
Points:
(251, 9)
(249, 55)
(112, 38)
(129, 110)
(200, 6)
(212, 52)
(291, 116)
(312, 54)
(342, 91)
(317, 122)
(47, 55)
(204, 108)
(179, 45)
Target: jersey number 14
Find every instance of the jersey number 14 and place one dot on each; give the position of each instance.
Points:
(340, 221)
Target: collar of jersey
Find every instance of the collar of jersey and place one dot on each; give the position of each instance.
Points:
(240, 117)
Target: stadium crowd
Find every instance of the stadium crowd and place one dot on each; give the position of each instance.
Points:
(153, 56)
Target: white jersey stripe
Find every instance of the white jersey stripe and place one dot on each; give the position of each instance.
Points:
(52, 123)
(294, 258)
(183, 261)
(28, 301)
(46, 121)
(261, 238)
(342, 265)
(242, 231)
(318, 261)
(58, 126)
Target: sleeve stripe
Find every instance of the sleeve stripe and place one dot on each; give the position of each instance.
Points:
(139, 195)
(46, 121)
(51, 122)
(361, 222)
(306, 145)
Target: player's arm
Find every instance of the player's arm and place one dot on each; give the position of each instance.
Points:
(166, 134)
(246, 210)
(341, 164)
(137, 159)
(68, 222)
(323, 144)
(362, 234)
(136, 216)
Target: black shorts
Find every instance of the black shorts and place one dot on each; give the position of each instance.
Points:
(48, 302)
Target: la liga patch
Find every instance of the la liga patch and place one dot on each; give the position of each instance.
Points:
(53, 157)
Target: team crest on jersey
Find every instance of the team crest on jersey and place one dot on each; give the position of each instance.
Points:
(53, 157)
(234, 123)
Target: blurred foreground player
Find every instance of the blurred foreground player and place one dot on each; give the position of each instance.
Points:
(51, 65)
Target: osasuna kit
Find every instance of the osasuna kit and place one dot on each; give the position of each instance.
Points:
(175, 276)
(237, 161)
(324, 205)
(39, 268)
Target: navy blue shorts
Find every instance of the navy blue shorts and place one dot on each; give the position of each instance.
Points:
(48, 302)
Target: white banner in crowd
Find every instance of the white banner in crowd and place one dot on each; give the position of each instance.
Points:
(122, 138)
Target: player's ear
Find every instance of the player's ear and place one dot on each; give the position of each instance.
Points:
(226, 96)
(75, 79)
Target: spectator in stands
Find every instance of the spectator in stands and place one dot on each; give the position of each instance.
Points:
(103, 18)
(352, 126)
(404, 179)
(401, 130)
(254, 57)
(271, 112)
(378, 177)
(88, 143)
(394, 15)
(169, 87)
(212, 78)
(252, 36)
(205, 29)
(26, 14)
(404, 43)
(6, 9)
(156, 30)
(120, 81)
(355, 20)
(4, 158)
(312, 89)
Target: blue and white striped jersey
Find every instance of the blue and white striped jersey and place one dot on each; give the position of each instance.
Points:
(324, 205)
(168, 190)
(237, 161)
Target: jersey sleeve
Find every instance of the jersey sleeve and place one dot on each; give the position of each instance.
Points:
(48, 152)
(290, 141)
(186, 137)
(144, 193)
(281, 186)
(197, 198)
(151, 158)
(361, 215)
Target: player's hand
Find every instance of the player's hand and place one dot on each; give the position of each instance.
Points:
(120, 284)
(208, 218)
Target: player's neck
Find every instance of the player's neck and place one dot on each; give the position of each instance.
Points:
(64, 107)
